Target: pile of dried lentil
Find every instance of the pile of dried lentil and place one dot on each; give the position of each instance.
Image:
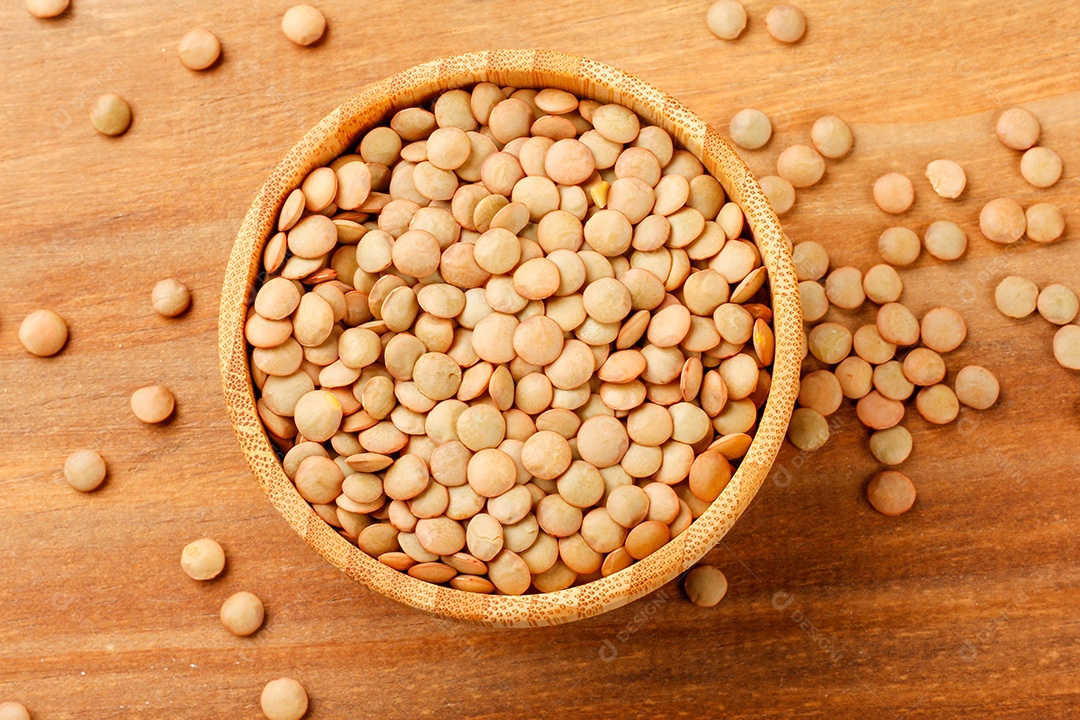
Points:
(512, 341)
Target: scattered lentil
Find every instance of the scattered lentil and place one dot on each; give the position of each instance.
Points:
(199, 49)
(1067, 347)
(899, 246)
(1040, 166)
(947, 178)
(976, 387)
(43, 333)
(1045, 222)
(749, 128)
(1016, 297)
(726, 19)
(84, 470)
(891, 446)
(11, 710)
(303, 24)
(242, 613)
(46, 9)
(831, 136)
(171, 298)
(779, 192)
(284, 699)
(891, 493)
(1002, 220)
(152, 404)
(705, 585)
(1058, 304)
(945, 240)
(202, 559)
(893, 193)
(800, 165)
(110, 115)
(785, 22)
(1017, 128)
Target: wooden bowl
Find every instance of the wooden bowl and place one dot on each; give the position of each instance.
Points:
(519, 68)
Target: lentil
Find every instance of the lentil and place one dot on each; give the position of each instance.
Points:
(199, 49)
(44, 9)
(891, 446)
(303, 25)
(84, 470)
(976, 387)
(1067, 347)
(1002, 220)
(947, 178)
(800, 165)
(705, 585)
(171, 298)
(152, 404)
(1041, 167)
(785, 23)
(943, 329)
(284, 699)
(202, 559)
(242, 613)
(891, 493)
(1016, 297)
(110, 115)
(945, 240)
(779, 192)
(831, 136)
(749, 128)
(1058, 304)
(1045, 222)
(726, 19)
(43, 333)
(1017, 128)
(899, 246)
(893, 193)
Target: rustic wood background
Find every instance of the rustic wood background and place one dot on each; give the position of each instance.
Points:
(968, 605)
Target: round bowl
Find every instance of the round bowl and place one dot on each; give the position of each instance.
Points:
(518, 68)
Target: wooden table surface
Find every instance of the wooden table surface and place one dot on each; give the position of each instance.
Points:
(968, 605)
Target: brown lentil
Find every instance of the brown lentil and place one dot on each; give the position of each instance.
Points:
(891, 493)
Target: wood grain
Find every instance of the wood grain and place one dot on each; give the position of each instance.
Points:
(965, 606)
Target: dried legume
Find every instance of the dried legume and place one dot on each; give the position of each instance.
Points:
(442, 376)
(1067, 347)
(1002, 220)
(84, 470)
(170, 298)
(891, 493)
(110, 115)
(1017, 128)
(705, 585)
(750, 128)
(1016, 297)
(1041, 167)
(785, 22)
(43, 333)
(893, 193)
(199, 49)
(947, 178)
(202, 559)
(242, 613)
(283, 699)
(1058, 304)
(46, 9)
(726, 19)
(831, 136)
(303, 24)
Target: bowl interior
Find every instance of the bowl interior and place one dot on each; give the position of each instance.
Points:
(518, 68)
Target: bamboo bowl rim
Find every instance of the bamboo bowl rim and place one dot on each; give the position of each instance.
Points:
(518, 68)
